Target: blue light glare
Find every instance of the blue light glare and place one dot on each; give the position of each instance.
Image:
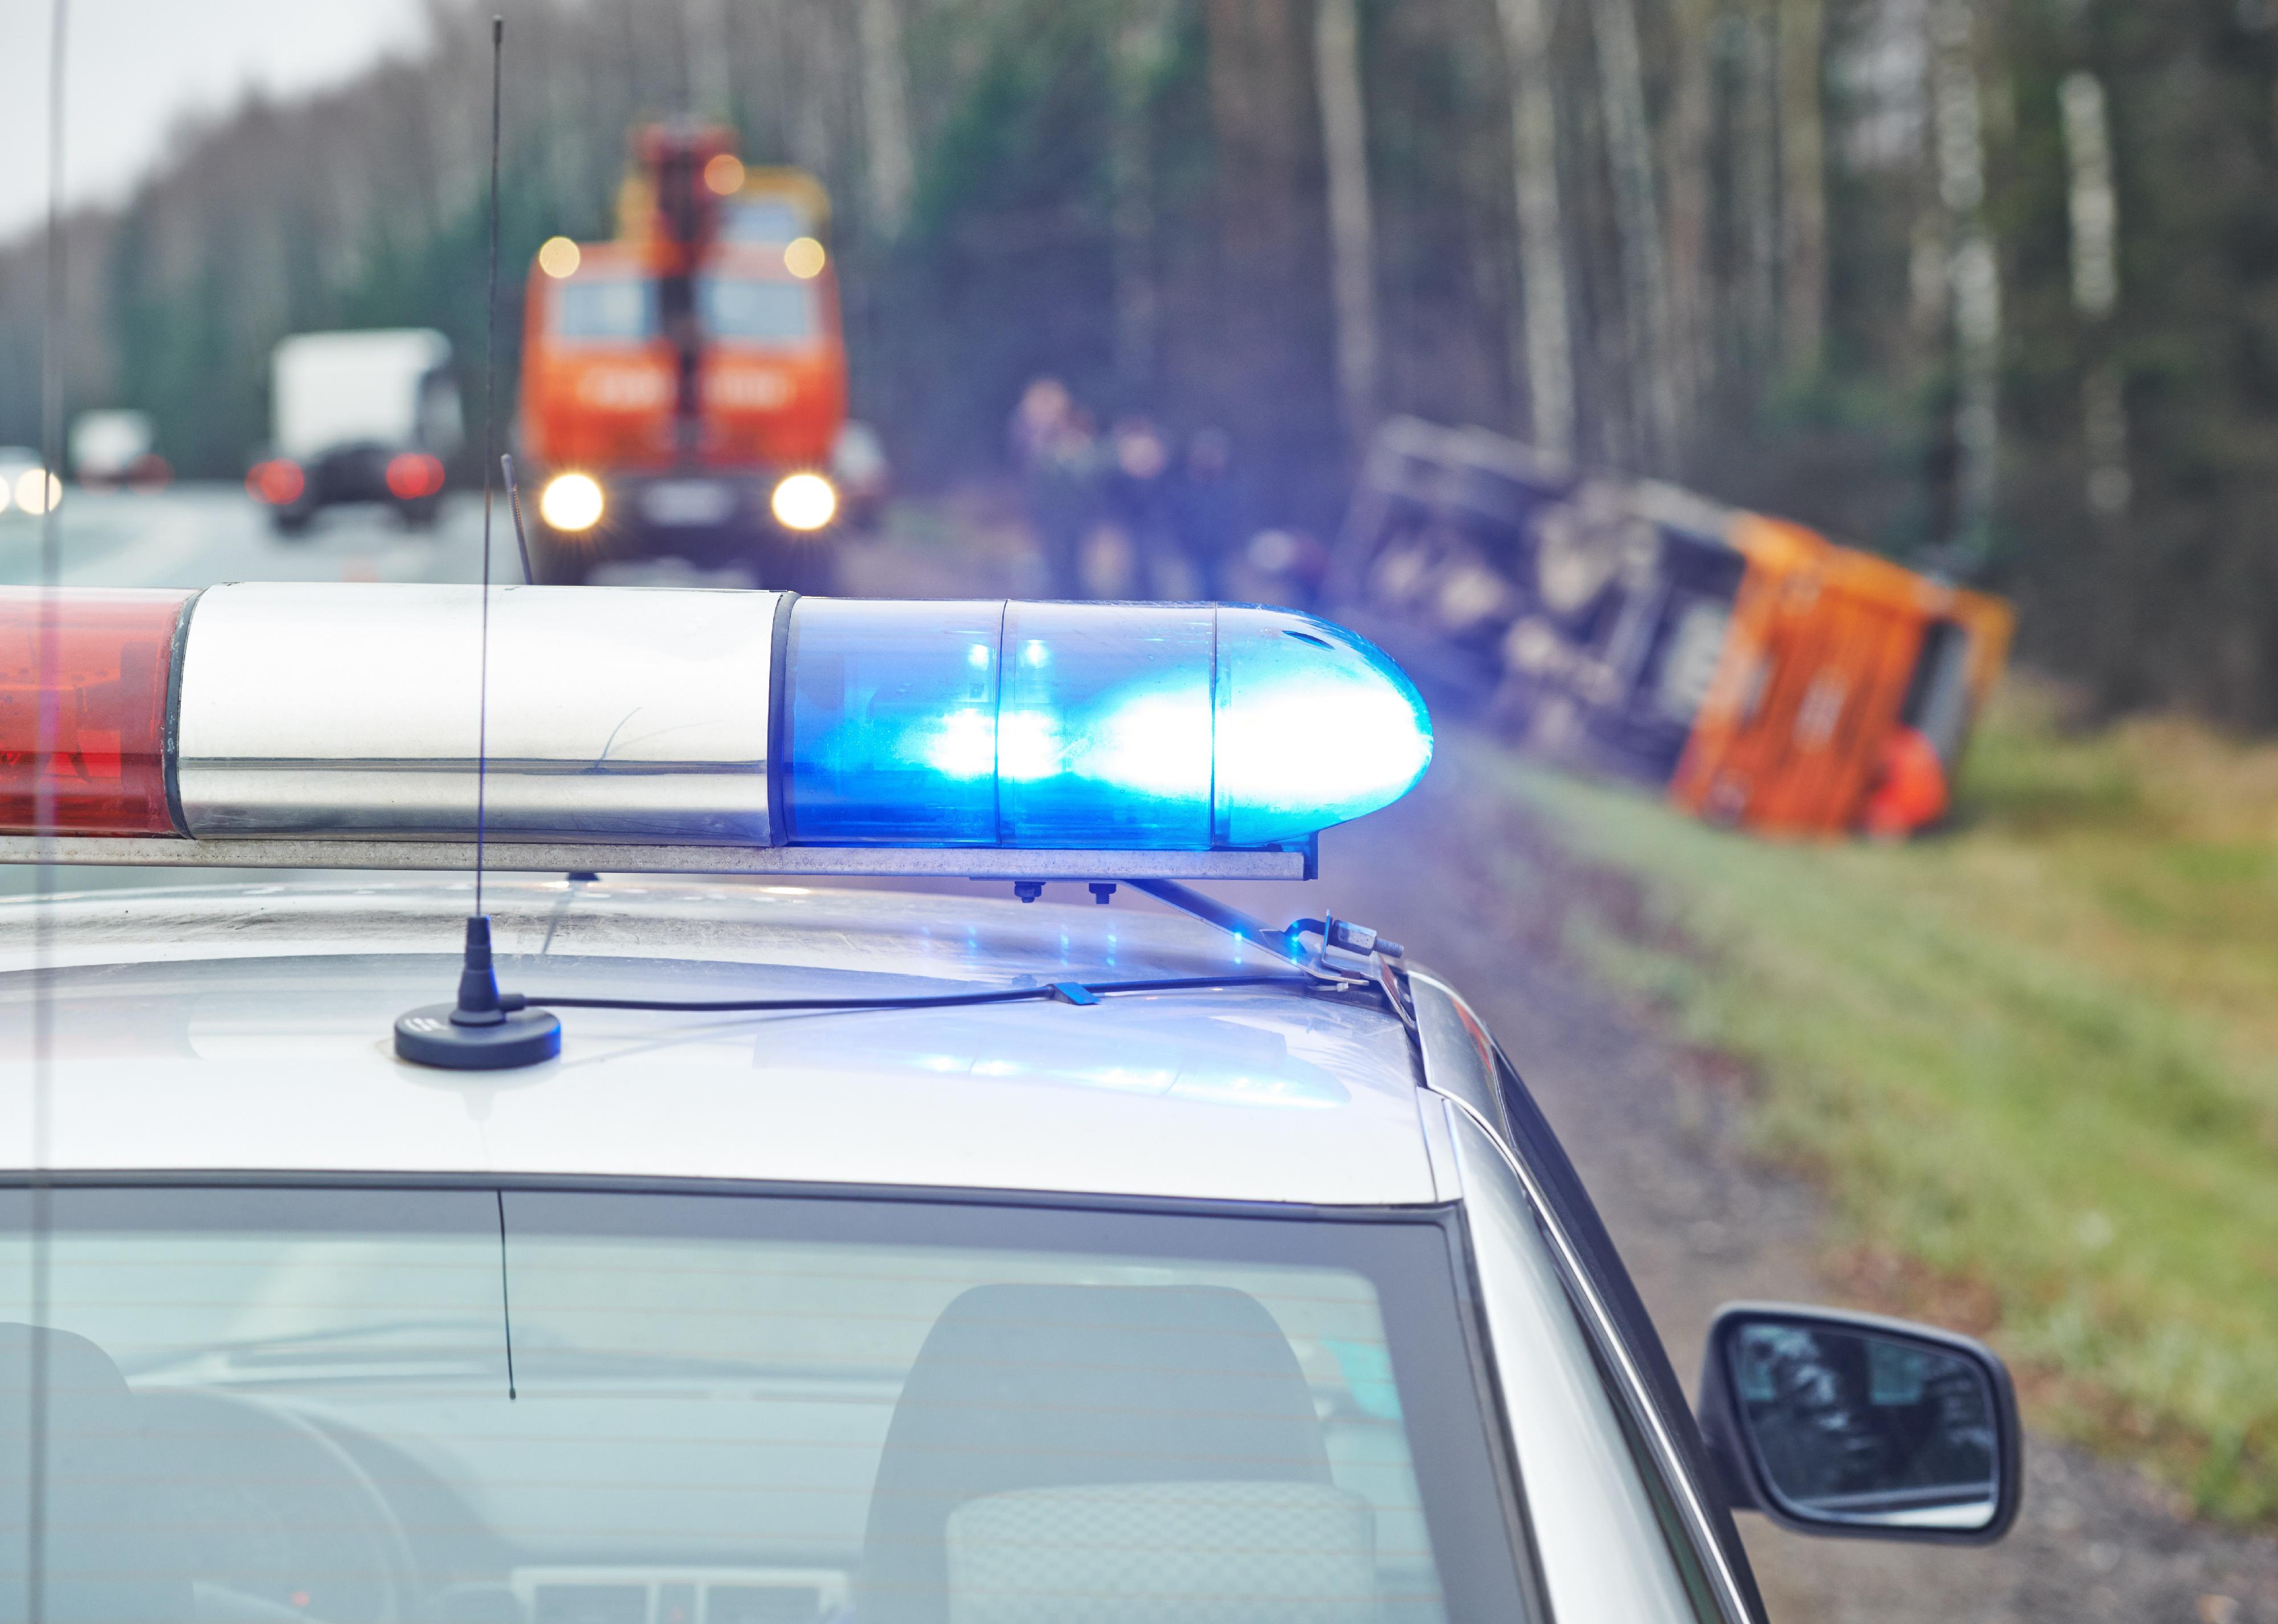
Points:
(1071, 725)
(1314, 726)
(890, 725)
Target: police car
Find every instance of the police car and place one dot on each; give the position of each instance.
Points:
(712, 1242)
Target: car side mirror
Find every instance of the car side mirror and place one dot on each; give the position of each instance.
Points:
(1854, 1425)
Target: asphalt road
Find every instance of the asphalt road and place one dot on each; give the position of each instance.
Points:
(1474, 888)
(196, 535)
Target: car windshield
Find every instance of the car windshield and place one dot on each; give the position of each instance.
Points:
(617, 310)
(527, 1407)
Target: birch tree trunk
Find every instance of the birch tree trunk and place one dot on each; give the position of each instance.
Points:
(1690, 137)
(1803, 184)
(710, 69)
(1755, 186)
(1637, 213)
(885, 114)
(1352, 230)
(1140, 45)
(1270, 330)
(1973, 275)
(1548, 364)
(814, 68)
(2094, 209)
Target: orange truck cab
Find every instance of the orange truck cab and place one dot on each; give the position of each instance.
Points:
(1761, 673)
(683, 387)
(1844, 692)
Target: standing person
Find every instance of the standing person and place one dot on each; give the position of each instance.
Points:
(1043, 410)
(1205, 511)
(1137, 493)
(1052, 445)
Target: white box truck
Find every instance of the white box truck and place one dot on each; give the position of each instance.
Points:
(111, 448)
(358, 418)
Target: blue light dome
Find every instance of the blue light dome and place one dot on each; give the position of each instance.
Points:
(1075, 725)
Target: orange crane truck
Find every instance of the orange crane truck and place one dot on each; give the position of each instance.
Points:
(683, 387)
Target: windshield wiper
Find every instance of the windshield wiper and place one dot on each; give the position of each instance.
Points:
(327, 1351)
(332, 1344)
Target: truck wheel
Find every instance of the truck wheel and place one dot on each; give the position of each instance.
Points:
(291, 523)
(808, 567)
(420, 512)
(552, 564)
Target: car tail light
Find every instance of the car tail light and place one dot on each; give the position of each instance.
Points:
(277, 482)
(102, 662)
(412, 474)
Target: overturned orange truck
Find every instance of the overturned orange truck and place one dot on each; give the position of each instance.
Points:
(683, 387)
(1764, 675)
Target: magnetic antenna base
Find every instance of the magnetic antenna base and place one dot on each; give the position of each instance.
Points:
(431, 1038)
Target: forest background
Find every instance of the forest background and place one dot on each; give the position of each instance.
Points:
(1991, 284)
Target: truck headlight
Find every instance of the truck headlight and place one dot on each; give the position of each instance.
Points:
(571, 502)
(803, 501)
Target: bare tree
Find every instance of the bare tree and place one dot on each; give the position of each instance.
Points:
(1141, 45)
(814, 68)
(711, 76)
(1688, 145)
(1803, 184)
(1653, 387)
(1548, 364)
(1973, 273)
(885, 114)
(2094, 208)
(1755, 183)
(1352, 233)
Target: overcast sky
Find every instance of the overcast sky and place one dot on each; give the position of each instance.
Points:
(136, 67)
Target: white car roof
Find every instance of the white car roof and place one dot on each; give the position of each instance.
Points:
(248, 1028)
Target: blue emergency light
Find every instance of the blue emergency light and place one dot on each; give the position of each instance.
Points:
(1074, 725)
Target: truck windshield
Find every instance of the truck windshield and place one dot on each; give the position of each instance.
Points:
(763, 219)
(623, 310)
(752, 309)
(528, 1408)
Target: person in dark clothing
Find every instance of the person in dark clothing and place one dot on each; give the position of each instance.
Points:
(1205, 514)
(1054, 449)
(1136, 493)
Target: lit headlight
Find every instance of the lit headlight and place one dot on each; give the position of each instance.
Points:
(805, 501)
(571, 502)
(37, 490)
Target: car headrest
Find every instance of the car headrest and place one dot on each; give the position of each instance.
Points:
(1022, 1387)
(108, 1559)
(1139, 1554)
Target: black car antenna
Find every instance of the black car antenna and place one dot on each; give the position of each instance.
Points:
(479, 1032)
(47, 656)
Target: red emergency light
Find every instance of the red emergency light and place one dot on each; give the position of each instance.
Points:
(99, 664)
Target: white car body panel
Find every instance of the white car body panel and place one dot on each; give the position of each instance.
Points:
(250, 1029)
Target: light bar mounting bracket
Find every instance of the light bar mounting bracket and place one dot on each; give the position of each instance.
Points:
(1293, 863)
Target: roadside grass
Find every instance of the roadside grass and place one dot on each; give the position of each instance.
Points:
(2034, 1061)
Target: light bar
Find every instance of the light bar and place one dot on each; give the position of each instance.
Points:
(728, 721)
